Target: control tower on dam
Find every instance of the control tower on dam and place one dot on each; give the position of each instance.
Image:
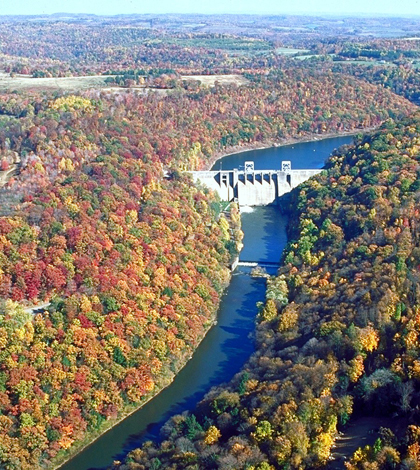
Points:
(252, 187)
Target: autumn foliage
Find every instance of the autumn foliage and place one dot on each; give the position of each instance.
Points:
(338, 336)
(102, 226)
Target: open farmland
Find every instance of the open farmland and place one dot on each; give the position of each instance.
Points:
(210, 80)
(26, 82)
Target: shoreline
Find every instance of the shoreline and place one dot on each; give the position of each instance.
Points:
(125, 415)
(213, 160)
(281, 143)
(184, 361)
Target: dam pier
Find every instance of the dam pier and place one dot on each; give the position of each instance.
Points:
(250, 187)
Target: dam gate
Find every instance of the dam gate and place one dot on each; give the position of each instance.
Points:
(250, 187)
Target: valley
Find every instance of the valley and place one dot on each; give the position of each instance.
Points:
(126, 341)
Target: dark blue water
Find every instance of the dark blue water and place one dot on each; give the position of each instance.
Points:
(307, 155)
(221, 354)
(259, 227)
(228, 344)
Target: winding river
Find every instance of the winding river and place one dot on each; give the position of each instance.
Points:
(228, 344)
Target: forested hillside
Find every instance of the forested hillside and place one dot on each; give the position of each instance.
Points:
(338, 334)
(100, 224)
(132, 262)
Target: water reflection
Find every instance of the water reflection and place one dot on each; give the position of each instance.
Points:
(259, 226)
(228, 344)
(302, 155)
(221, 354)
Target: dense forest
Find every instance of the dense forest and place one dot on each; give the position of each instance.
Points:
(131, 262)
(99, 48)
(338, 334)
(102, 228)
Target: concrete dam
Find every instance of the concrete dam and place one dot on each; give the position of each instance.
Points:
(250, 187)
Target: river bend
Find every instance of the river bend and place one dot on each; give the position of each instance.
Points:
(229, 343)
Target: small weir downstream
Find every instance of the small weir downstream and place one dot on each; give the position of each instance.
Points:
(229, 343)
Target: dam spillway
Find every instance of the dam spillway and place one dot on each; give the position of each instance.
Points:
(250, 187)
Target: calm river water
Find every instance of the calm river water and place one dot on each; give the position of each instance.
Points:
(228, 344)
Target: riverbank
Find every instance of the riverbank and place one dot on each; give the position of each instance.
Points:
(167, 377)
(251, 246)
(112, 423)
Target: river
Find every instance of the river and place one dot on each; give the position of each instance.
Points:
(228, 344)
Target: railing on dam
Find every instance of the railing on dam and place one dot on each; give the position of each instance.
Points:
(253, 187)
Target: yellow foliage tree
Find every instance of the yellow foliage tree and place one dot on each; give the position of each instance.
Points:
(323, 446)
(368, 338)
(212, 435)
(288, 318)
(269, 311)
(356, 368)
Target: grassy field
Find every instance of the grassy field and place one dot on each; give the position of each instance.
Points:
(367, 62)
(290, 51)
(210, 80)
(304, 57)
(26, 82)
(226, 44)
